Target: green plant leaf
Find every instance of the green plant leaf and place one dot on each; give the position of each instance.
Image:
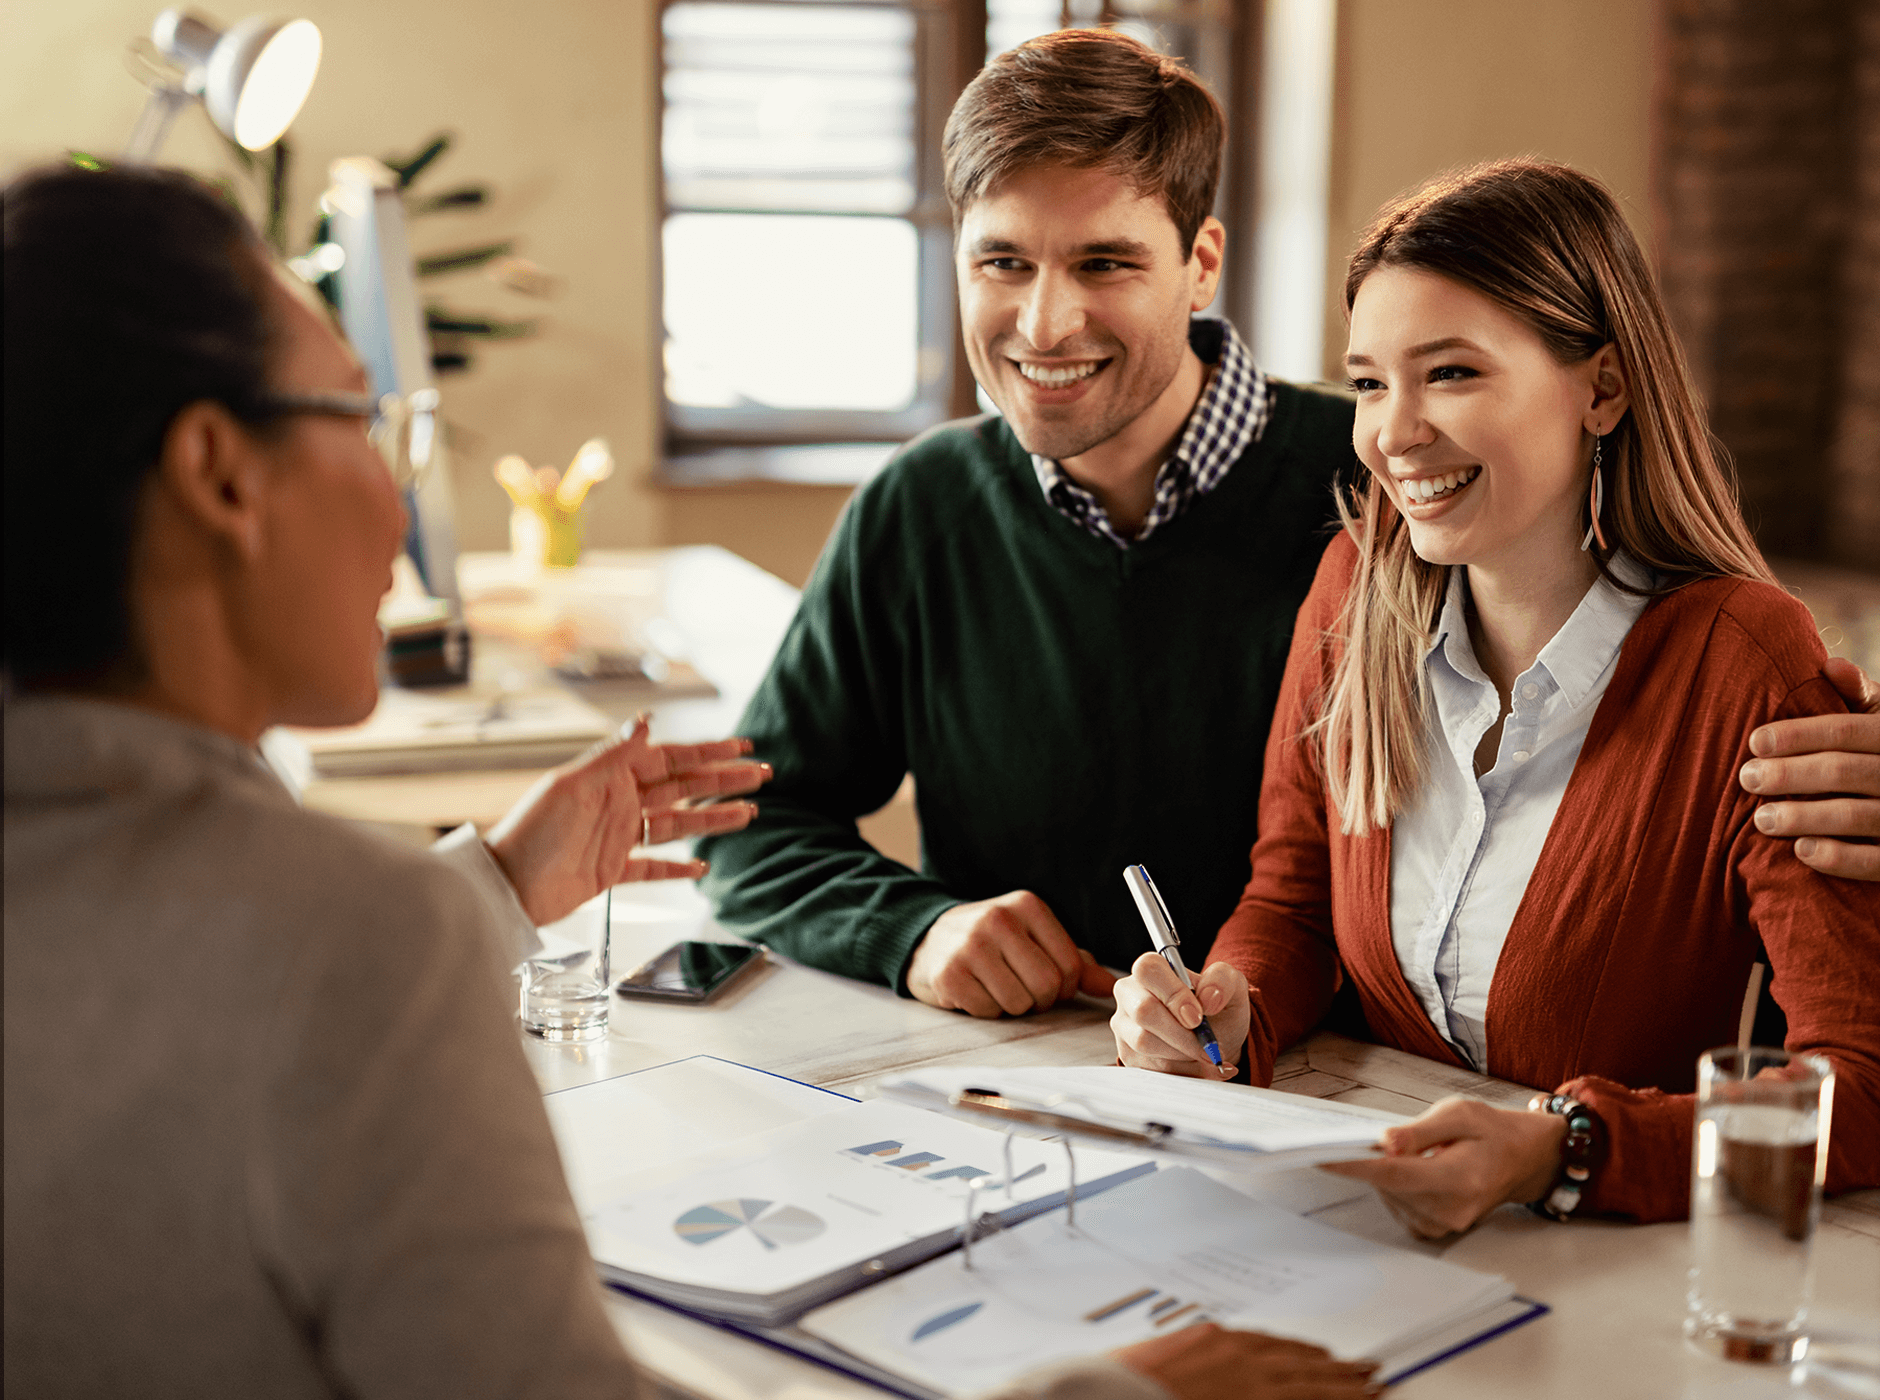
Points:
(463, 197)
(463, 258)
(440, 321)
(410, 168)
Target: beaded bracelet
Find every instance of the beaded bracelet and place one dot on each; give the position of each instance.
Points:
(1581, 1154)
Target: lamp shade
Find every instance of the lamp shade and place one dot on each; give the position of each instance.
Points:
(253, 78)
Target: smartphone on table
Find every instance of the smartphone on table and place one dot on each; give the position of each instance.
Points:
(691, 971)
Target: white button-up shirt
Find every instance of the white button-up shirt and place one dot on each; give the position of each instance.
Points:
(1463, 852)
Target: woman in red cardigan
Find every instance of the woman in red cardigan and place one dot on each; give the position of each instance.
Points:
(1499, 796)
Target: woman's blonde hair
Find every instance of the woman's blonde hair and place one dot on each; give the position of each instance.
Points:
(1549, 246)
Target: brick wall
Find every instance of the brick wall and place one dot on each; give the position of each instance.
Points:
(1766, 176)
(1854, 463)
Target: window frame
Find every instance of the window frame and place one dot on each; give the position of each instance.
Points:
(950, 47)
(690, 431)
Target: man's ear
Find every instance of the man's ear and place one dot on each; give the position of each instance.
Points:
(1209, 252)
(215, 475)
(1611, 394)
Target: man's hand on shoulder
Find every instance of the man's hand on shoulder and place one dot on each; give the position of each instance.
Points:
(1001, 957)
(1834, 762)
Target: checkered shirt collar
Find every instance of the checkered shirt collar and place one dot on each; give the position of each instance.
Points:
(1229, 418)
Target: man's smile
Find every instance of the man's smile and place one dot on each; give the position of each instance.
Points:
(1057, 375)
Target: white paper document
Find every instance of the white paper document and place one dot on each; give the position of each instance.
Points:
(459, 727)
(765, 1225)
(1151, 1257)
(615, 1129)
(1229, 1124)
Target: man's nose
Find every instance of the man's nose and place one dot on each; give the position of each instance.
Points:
(1052, 311)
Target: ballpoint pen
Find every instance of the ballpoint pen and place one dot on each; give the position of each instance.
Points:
(1162, 934)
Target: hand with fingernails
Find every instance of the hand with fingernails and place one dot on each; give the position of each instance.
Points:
(1209, 1362)
(1004, 956)
(575, 832)
(1444, 1170)
(1834, 762)
(1156, 1016)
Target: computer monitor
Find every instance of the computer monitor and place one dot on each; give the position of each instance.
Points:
(379, 306)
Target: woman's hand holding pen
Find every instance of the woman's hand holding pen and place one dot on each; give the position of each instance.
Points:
(1156, 1017)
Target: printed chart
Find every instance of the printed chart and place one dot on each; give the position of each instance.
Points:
(772, 1223)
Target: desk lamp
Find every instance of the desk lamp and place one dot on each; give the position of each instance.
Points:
(253, 78)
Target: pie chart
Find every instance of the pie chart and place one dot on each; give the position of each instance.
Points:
(772, 1222)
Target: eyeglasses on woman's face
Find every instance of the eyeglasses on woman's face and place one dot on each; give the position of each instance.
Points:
(403, 427)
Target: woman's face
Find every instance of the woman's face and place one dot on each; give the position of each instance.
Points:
(333, 525)
(1477, 433)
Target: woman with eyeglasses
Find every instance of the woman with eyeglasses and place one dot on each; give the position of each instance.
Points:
(268, 1131)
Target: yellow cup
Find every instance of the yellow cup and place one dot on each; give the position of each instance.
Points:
(543, 534)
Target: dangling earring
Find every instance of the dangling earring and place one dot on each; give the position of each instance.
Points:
(1597, 500)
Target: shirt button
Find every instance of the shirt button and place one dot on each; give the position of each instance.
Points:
(1530, 690)
(1520, 755)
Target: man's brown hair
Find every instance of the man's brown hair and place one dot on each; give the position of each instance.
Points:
(1089, 99)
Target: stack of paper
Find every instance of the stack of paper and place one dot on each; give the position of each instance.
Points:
(460, 728)
(763, 1227)
(1152, 1257)
(750, 1199)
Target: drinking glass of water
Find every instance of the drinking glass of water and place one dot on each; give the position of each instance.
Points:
(1760, 1155)
(565, 985)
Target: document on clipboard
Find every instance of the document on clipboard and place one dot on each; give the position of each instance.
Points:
(1152, 1257)
(1229, 1125)
(755, 1228)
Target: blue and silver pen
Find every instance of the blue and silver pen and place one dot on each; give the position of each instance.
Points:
(1162, 934)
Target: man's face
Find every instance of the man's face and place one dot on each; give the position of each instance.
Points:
(1075, 294)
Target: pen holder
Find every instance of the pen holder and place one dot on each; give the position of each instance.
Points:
(543, 534)
(545, 525)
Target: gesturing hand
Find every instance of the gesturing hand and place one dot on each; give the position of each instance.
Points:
(1206, 1362)
(1156, 1017)
(1002, 956)
(1839, 754)
(1443, 1171)
(573, 834)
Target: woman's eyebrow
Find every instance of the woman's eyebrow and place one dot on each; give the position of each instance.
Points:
(1428, 347)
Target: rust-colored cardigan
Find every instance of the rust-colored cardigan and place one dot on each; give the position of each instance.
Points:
(1629, 953)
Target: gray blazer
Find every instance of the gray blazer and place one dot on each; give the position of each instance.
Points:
(268, 1130)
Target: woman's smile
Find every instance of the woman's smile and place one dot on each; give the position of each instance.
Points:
(1437, 489)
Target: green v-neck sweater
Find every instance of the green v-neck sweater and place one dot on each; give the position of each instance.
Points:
(1067, 708)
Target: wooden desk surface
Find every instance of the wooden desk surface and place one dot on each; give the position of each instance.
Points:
(699, 603)
(1617, 1291)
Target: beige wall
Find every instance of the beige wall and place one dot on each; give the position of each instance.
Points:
(1428, 84)
(552, 105)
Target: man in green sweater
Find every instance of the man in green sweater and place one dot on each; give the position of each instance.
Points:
(1069, 622)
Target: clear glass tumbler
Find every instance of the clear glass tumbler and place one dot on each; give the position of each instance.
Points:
(566, 986)
(1760, 1155)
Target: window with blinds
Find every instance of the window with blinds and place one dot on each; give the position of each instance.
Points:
(801, 216)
